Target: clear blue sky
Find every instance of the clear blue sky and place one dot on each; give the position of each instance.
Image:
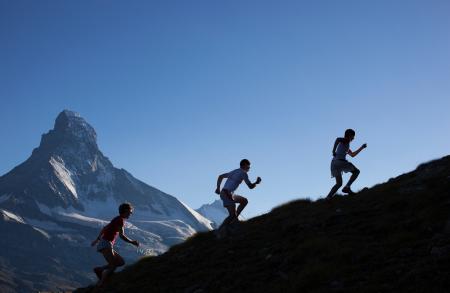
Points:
(180, 91)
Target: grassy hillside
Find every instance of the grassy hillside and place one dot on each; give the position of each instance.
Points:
(393, 237)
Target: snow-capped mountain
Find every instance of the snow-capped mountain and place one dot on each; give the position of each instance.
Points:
(67, 190)
(214, 212)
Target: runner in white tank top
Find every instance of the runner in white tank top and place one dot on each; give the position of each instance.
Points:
(339, 164)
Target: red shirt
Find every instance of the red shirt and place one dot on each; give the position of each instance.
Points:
(112, 229)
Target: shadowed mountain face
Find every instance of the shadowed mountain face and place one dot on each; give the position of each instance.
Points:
(55, 203)
(393, 237)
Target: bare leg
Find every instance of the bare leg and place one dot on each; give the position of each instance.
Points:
(223, 230)
(231, 208)
(242, 203)
(231, 215)
(114, 260)
(352, 179)
(336, 187)
(118, 259)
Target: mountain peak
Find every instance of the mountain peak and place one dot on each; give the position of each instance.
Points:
(72, 122)
(68, 114)
(69, 127)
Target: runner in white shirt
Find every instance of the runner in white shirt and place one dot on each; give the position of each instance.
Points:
(234, 179)
(339, 163)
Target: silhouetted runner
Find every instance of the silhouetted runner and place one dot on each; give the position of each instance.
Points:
(234, 179)
(105, 243)
(340, 164)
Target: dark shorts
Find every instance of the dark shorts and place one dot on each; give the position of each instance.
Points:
(227, 198)
(340, 166)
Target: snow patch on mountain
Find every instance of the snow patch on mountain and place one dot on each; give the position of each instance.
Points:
(198, 216)
(169, 228)
(106, 209)
(8, 216)
(64, 175)
(214, 211)
(48, 225)
(44, 233)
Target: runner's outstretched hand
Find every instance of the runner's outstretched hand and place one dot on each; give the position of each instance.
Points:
(364, 146)
(258, 180)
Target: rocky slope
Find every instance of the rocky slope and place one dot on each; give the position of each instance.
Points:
(393, 237)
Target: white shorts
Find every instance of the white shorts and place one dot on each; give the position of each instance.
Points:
(104, 244)
(340, 166)
(227, 198)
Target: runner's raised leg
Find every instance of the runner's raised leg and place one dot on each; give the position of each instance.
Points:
(242, 203)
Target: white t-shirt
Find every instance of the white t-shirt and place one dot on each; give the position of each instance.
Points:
(342, 150)
(235, 178)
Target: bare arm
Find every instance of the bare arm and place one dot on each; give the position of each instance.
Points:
(252, 185)
(219, 181)
(126, 239)
(355, 153)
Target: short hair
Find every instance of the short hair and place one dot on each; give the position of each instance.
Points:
(244, 162)
(124, 207)
(349, 132)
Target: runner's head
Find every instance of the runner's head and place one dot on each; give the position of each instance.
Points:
(245, 165)
(125, 210)
(349, 134)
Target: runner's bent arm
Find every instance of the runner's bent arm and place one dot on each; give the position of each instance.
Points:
(125, 238)
(219, 181)
(252, 185)
(354, 154)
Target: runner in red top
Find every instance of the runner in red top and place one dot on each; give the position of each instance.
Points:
(105, 242)
(112, 229)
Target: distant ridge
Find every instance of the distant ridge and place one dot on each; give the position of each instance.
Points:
(214, 212)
